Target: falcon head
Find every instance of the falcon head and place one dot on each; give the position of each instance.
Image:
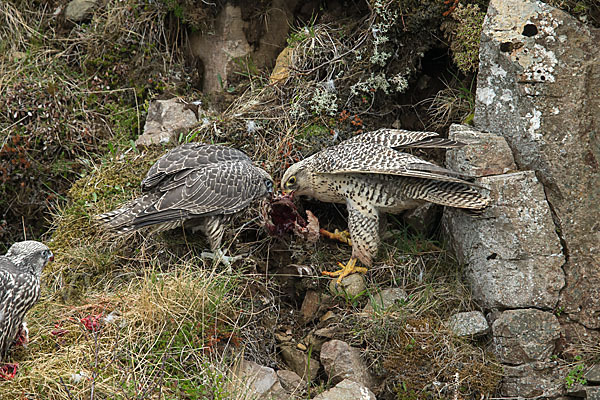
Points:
(297, 179)
(30, 256)
(267, 180)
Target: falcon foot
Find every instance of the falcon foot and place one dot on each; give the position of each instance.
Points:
(343, 236)
(220, 256)
(346, 270)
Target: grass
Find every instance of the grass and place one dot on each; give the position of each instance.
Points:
(162, 340)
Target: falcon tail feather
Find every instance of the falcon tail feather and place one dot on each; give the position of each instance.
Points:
(453, 194)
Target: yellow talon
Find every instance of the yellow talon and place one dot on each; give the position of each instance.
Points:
(349, 268)
(343, 236)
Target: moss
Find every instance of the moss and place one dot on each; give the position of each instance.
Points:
(465, 34)
(84, 254)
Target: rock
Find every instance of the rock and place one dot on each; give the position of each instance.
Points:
(351, 286)
(536, 380)
(539, 86)
(166, 120)
(341, 361)
(237, 43)
(485, 153)
(256, 380)
(385, 299)
(299, 362)
(592, 393)
(512, 253)
(423, 219)
(472, 323)
(313, 305)
(291, 382)
(346, 390)
(522, 336)
(592, 375)
(219, 49)
(80, 10)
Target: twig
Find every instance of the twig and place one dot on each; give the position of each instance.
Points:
(66, 388)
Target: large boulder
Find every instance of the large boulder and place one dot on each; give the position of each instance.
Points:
(238, 44)
(539, 87)
(512, 253)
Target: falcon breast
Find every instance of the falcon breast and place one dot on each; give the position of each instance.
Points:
(198, 184)
(370, 176)
(20, 272)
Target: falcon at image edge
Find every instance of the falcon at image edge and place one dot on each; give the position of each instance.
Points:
(370, 176)
(20, 272)
(196, 184)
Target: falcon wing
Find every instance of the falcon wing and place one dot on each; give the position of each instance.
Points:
(178, 163)
(223, 188)
(400, 138)
(369, 158)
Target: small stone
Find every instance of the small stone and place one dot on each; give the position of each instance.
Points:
(257, 379)
(299, 362)
(281, 338)
(328, 332)
(312, 305)
(328, 315)
(80, 10)
(346, 390)
(592, 376)
(351, 286)
(592, 393)
(341, 361)
(385, 299)
(301, 346)
(291, 381)
(472, 323)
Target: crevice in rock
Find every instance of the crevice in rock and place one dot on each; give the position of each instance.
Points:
(557, 224)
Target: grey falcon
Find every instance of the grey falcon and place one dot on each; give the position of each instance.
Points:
(370, 176)
(196, 184)
(20, 272)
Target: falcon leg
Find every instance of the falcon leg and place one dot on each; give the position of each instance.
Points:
(343, 236)
(349, 268)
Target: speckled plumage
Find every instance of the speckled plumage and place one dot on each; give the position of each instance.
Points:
(370, 175)
(198, 184)
(20, 272)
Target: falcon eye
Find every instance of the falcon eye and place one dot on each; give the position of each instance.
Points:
(269, 186)
(291, 181)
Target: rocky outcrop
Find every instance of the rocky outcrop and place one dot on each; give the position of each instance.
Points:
(539, 87)
(229, 49)
(512, 252)
(526, 335)
(535, 249)
(167, 119)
